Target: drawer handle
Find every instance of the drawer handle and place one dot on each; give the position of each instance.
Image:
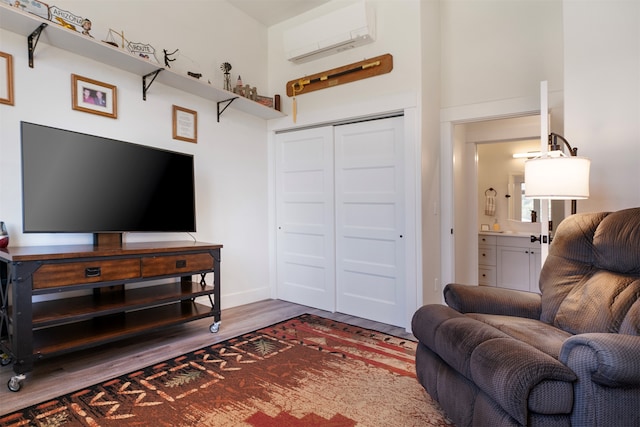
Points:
(181, 263)
(92, 272)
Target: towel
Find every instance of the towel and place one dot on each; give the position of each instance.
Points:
(489, 205)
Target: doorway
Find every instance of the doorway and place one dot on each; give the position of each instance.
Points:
(492, 141)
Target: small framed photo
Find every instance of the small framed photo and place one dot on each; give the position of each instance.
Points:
(92, 96)
(484, 227)
(185, 124)
(6, 78)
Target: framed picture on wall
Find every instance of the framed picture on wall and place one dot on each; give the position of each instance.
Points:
(6, 78)
(92, 96)
(185, 124)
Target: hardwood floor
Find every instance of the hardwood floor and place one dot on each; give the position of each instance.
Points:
(56, 376)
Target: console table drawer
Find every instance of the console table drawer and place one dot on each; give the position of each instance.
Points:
(75, 273)
(176, 264)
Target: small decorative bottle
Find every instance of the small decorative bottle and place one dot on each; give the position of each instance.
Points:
(239, 89)
(4, 235)
(496, 226)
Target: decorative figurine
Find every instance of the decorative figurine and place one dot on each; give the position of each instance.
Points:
(86, 27)
(167, 59)
(239, 88)
(111, 39)
(226, 67)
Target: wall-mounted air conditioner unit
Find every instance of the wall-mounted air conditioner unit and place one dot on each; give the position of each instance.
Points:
(335, 32)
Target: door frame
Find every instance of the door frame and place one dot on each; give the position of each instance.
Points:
(449, 119)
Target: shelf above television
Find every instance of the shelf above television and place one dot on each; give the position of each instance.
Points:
(56, 35)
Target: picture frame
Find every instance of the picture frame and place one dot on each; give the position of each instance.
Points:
(92, 96)
(484, 227)
(185, 124)
(6, 78)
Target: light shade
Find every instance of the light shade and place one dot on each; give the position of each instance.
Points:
(556, 176)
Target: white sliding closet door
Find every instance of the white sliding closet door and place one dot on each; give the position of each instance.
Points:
(305, 212)
(340, 216)
(370, 212)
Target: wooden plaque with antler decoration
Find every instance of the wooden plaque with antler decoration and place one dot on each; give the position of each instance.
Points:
(349, 73)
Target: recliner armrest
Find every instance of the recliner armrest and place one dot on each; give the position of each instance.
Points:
(614, 361)
(489, 300)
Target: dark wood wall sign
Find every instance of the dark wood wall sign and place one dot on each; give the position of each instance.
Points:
(349, 73)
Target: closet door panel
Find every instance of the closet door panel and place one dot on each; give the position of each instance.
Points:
(305, 218)
(369, 197)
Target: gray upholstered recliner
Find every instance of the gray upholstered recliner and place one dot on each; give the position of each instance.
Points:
(570, 356)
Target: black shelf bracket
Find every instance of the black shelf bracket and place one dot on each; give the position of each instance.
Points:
(32, 41)
(146, 86)
(228, 102)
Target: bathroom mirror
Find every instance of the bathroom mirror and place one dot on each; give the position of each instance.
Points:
(519, 207)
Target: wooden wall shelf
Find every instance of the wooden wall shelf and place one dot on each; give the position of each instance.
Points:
(56, 35)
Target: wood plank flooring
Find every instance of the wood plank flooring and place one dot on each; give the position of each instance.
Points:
(56, 376)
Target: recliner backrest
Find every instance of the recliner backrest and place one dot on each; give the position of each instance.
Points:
(591, 278)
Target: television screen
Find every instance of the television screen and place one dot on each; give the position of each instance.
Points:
(78, 183)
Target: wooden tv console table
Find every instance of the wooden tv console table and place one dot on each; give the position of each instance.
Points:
(113, 310)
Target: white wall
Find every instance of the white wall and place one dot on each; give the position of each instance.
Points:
(391, 15)
(231, 156)
(496, 49)
(494, 55)
(602, 97)
(408, 30)
(430, 53)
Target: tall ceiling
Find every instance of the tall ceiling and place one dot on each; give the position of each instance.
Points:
(271, 12)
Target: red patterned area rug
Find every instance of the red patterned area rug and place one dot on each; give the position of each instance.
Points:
(307, 371)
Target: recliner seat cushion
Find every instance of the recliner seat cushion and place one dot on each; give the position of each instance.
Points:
(546, 338)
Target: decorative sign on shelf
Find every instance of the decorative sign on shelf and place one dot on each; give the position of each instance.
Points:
(143, 50)
(66, 18)
(32, 6)
(349, 73)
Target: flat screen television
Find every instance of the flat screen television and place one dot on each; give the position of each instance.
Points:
(78, 183)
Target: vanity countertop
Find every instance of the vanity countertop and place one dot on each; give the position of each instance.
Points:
(506, 233)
